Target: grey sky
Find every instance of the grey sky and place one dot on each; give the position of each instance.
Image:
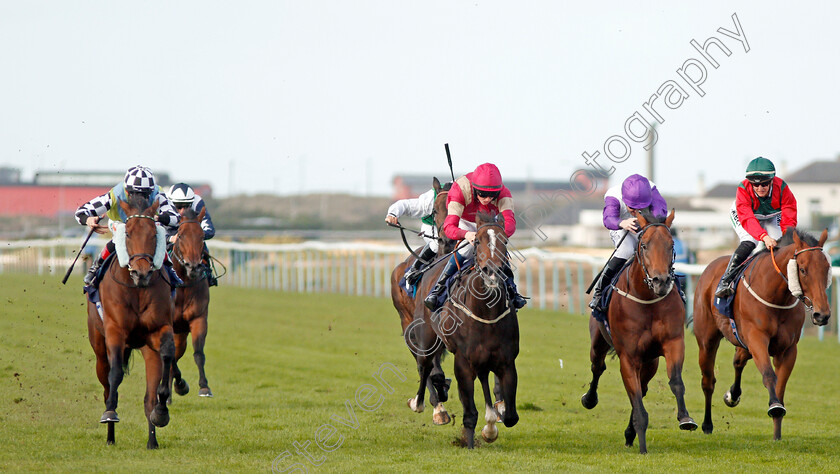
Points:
(307, 96)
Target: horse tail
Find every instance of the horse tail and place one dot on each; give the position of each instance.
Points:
(126, 360)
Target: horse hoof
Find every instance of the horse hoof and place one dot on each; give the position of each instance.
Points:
(490, 433)
(152, 445)
(205, 392)
(159, 418)
(589, 402)
(727, 398)
(688, 425)
(417, 408)
(441, 416)
(776, 410)
(181, 387)
(109, 416)
(500, 409)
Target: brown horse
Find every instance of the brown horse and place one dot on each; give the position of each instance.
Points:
(768, 317)
(137, 313)
(480, 327)
(646, 319)
(191, 300)
(406, 305)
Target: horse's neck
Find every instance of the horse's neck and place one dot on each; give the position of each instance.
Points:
(636, 276)
(475, 284)
(777, 285)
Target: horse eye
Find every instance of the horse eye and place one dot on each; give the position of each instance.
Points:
(802, 271)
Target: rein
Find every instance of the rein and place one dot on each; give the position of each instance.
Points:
(648, 280)
(145, 256)
(799, 294)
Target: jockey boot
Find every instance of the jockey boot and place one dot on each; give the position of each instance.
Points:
(208, 268)
(448, 271)
(90, 278)
(94, 267)
(413, 274)
(725, 288)
(613, 266)
(174, 280)
(518, 301)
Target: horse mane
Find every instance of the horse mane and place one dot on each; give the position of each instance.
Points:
(446, 186)
(650, 218)
(138, 202)
(489, 218)
(787, 238)
(189, 213)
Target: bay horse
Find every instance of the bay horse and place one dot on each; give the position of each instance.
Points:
(479, 325)
(405, 305)
(192, 299)
(646, 318)
(137, 313)
(769, 313)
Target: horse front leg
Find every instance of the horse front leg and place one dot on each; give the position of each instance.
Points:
(784, 366)
(438, 388)
(508, 381)
(761, 357)
(154, 370)
(179, 385)
(465, 376)
(674, 352)
(489, 432)
(161, 352)
(103, 369)
(733, 396)
(597, 354)
(116, 353)
(630, 374)
(708, 353)
(198, 329)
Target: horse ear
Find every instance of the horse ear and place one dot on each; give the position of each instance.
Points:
(796, 240)
(479, 220)
(638, 215)
(823, 237)
(500, 218)
(152, 210)
(670, 219)
(436, 184)
(201, 214)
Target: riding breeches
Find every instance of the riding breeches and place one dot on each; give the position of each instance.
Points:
(430, 230)
(628, 247)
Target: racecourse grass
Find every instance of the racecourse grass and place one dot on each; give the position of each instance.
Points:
(281, 364)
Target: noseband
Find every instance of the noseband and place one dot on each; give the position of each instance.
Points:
(800, 294)
(144, 256)
(639, 256)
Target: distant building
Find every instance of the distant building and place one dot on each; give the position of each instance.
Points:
(53, 194)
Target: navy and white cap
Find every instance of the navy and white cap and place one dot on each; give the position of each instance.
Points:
(181, 193)
(139, 178)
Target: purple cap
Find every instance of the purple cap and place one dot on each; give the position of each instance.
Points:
(635, 192)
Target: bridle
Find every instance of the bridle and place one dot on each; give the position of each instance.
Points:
(640, 257)
(176, 248)
(145, 256)
(800, 295)
(481, 272)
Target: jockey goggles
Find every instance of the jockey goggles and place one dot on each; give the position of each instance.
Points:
(484, 194)
(760, 181)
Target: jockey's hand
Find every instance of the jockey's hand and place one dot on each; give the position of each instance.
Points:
(93, 223)
(470, 237)
(173, 238)
(769, 241)
(630, 224)
(392, 220)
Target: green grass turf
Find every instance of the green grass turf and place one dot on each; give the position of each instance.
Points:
(283, 365)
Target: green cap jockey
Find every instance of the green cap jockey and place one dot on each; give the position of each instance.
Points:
(760, 169)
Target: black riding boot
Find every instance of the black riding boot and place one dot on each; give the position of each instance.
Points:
(518, 301)
(413, 274)
(448, 271)
(94, 267)
(725, 287)
(613, 266)
(208, 269)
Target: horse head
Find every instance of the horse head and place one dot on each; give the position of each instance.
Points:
(655, 251)
(810, 274)
(189, 246)
(140, 238)
(439, 213)
(490, 248)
